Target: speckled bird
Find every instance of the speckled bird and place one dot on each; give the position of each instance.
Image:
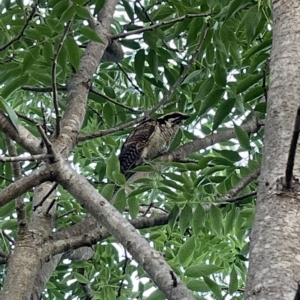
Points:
(149, 139)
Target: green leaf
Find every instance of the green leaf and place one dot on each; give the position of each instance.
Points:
(215, 288)
(216, 219)
(128, 9)
(185, 218)
(223, 111)
(233, 283)
(7, 209)
(139, 64)
(10, 112)
(112, 165)
(108, 191)
(16, 83)
(73, 51)
(67, 15)
(80, 278)
(120, 200)
(235, 6)
(252, 18)
(48, 51)
(198, 286)
(243, 137)
(186, 250)
(172, 218)
(134, 206)
(248, 82)
(230, 220)
(194, 76)
(153, 63)
(220, 76)
(156, 295)
(198, 219)
(201, 270)
(59, 7)
(90, 34)
(211, 100)
(108, 115)
(30, 58)
(82, 12)
(205, 88)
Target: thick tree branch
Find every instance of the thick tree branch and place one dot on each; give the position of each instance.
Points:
(23, 137)
(21, 186)
(79, 84)
(25, 158)
(20, 205)
(122, 230)
(158, 25)
(218, 137)
(85, 233)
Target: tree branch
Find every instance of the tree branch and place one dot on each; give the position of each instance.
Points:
(21, 186)
(85, 137)
(161, 24)
(122, 230)
(25, 158)
(218, 137)
(22, 137)
(20, 205)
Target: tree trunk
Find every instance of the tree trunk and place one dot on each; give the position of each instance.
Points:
(275, 243)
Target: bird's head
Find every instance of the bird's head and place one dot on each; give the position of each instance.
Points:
(173, 118)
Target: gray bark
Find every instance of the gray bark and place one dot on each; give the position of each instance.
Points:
(274, 245)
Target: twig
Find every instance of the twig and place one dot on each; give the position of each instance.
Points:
(42, 89)
(85, 137)
(6, 178)
(48, 144)
(130, 80)
(53, 75)
(114, 101)
(20, 205)
(23, 116)
(181, 77)
(46, 196)
(11, 240)
(66, 213)
(292, 152)
(239, 198)
(243, 183)
(17, 37)
(163, 23)
(123, 273)
(14, 159)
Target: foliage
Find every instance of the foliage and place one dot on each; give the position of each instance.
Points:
(205, 243)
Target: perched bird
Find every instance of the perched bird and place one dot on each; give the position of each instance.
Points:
(149, 139)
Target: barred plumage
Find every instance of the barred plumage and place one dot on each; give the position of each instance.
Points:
(149, 140)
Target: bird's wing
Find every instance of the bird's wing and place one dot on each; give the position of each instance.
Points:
(135, 143)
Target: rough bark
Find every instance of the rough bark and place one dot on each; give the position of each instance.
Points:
(31, 249)
(274, 245)
(124, 232)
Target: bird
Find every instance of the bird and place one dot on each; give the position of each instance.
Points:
(149, 140)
